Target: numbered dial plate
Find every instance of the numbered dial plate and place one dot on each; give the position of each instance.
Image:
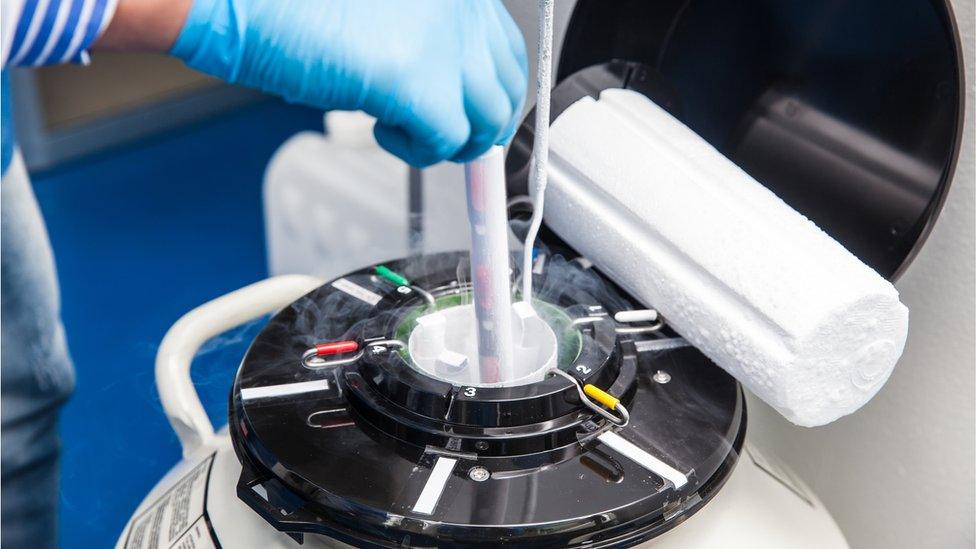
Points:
(370, 448)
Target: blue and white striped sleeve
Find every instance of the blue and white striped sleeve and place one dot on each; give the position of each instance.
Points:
(45, 32)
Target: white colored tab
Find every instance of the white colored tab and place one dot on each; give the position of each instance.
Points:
(636, 315)
(271, 391)
(642, 458)
(428, 339)
(450, 362)
(435, 485)
(357, 291)
(529, 324)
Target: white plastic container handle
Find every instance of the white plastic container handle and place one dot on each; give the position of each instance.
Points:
(181, 343)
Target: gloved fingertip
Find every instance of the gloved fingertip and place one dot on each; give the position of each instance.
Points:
(447, 150)
(473, 149)
(396, 142)
(468, 156)
(419, 160)
(505, 139)
(414, 161)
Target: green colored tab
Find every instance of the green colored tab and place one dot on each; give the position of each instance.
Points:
(392, 276)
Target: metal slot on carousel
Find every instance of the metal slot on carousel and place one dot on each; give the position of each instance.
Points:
(357, 418)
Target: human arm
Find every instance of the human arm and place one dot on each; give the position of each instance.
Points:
(445, 79)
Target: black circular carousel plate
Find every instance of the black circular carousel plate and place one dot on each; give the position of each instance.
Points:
(375, 453)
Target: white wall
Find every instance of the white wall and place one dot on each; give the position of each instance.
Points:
(899, 473)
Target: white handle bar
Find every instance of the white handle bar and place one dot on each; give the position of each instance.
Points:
(180, 400)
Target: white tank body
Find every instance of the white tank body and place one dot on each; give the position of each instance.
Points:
(754, 510)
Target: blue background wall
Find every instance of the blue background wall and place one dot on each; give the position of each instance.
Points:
(141, 235)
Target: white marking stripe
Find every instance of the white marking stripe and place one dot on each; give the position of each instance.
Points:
(643, 459)
(435, 485)
(270, 391)
(357, 291)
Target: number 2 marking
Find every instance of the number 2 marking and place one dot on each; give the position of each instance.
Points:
(583, 369)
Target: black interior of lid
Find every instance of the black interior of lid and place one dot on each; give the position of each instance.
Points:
(849, 111)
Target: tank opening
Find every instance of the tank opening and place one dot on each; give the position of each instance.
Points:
(443, 344)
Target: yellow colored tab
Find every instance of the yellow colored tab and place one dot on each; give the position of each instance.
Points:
(601, 396)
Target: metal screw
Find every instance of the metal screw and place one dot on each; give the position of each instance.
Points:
(479, 474)
(661, 377)
(403, 289)
(481, 445)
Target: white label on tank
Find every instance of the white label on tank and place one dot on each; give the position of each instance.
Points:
(286, 389)
(357, 291)
(178, 518)
(434, 486)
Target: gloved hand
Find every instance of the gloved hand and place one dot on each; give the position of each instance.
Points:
(445, 79)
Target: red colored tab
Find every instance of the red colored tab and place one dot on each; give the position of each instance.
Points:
(336, 348)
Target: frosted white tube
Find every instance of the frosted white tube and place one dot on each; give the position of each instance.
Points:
(540, 142)
(753, 284)
(487, 214)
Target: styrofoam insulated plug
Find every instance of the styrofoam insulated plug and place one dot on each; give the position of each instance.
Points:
(752, 283)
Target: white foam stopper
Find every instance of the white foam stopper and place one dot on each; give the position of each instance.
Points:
(756, 286)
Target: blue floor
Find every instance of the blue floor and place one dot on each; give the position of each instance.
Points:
(141, 235)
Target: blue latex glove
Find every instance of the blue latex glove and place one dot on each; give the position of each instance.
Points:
(445, 79)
